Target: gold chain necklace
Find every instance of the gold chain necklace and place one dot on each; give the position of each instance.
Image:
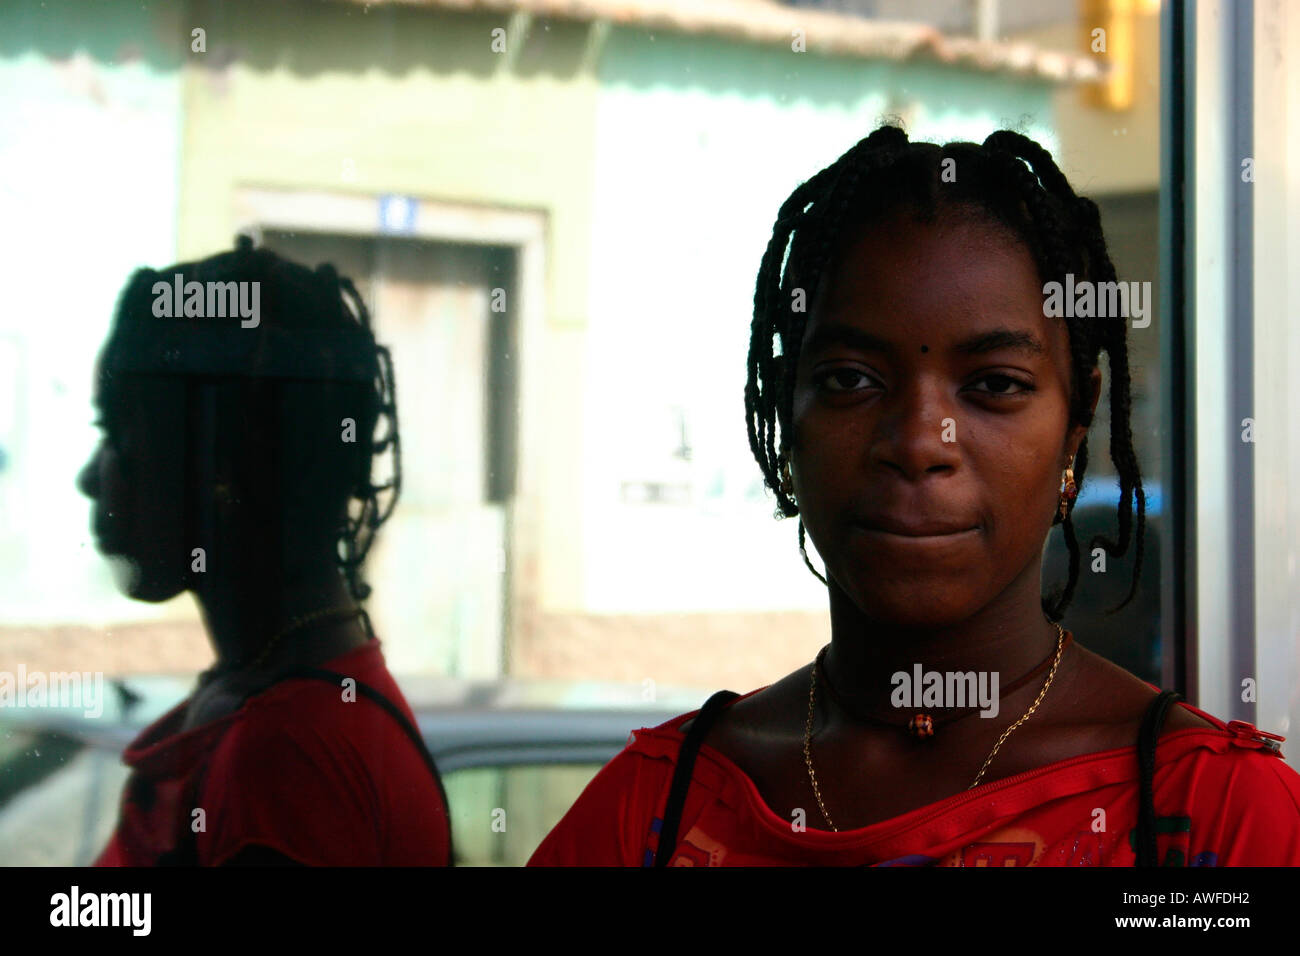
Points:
(297, 623)
(341, 611)
(807, 733)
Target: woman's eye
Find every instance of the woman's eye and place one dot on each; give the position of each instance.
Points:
(853, 380)
(1001, 383)
(843, 379)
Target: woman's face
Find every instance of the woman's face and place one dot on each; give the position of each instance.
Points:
(137, 519)
(930, 420)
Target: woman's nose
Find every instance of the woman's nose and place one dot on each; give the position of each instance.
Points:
(920, 432)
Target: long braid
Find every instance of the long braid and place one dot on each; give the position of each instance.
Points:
(358, 533)
(760, 405)
(1114, 341)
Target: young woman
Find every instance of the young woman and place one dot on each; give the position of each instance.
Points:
(239, 400)
(912, 400)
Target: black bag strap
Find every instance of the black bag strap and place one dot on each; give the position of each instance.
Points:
(1146, 748)
(186, 851)
(682, 774)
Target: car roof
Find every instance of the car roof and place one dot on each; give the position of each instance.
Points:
(464, 722)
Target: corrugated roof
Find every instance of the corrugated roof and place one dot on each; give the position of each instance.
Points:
(826, 32)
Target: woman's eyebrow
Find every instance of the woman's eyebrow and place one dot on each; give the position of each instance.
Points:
(997, 339)
(838, 333)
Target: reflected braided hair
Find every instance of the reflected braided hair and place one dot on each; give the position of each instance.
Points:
(358, 531)
(1009, 181)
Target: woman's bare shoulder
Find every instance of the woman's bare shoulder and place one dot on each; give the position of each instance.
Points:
(756, 715)
(1116, 696)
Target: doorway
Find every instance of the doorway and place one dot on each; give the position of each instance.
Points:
(438, 567)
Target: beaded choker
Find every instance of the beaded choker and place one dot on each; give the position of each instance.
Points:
(923, 724)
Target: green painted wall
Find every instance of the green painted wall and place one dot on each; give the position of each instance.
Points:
(89, 152)
(402, 101)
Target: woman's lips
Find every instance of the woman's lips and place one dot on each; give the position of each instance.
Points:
(903, 541)
(896, 526)
(105, 539)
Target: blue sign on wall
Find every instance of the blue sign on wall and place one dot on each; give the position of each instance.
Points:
(397, 215)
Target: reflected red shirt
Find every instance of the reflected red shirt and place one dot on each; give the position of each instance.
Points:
(1221, 798)
(298, 769)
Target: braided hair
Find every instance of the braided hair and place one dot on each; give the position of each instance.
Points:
(358, 531)
(1009, 181)
(301, 302)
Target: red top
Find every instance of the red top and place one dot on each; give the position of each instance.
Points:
(301, 768)
(1221, 799)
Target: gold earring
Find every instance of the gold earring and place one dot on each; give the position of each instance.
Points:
(1068, 489)
(787, 482)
